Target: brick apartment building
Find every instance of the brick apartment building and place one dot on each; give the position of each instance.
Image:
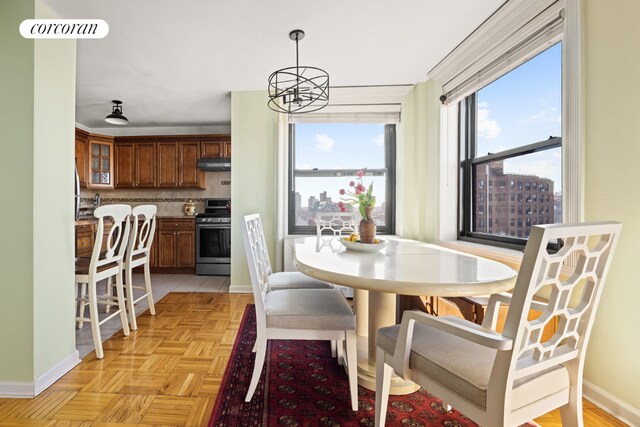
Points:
(509, 204)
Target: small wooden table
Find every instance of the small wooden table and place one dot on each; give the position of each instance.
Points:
(405, 267)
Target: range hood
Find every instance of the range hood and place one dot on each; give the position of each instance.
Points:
(218, 164)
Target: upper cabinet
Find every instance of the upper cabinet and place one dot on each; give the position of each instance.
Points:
(189, 173)
(145, 164)
(82, 148)
(178, 165)
(168, 164)
(220, 147)
(146, 161)
(100, 163)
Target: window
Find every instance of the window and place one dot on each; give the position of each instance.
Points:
(511, 132)
(324, 157)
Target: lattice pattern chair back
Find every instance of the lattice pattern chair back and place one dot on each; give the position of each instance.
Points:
(573, 299)
(255, 246)
(339, 223)
(116, 242)
(143, 229)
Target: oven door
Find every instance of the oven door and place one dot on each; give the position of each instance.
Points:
(213, 243)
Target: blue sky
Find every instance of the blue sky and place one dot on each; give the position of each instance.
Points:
(338, 146)
(521, 107)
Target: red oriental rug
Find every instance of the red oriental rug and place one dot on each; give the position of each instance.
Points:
(305, 386)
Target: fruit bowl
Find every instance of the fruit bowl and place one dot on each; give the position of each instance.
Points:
(363, 247)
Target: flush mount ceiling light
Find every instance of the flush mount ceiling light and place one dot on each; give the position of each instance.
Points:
(299, 89)
(116, 117)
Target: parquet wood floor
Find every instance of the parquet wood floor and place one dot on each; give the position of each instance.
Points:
(167, 373)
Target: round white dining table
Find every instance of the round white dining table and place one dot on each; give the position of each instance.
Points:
(403, 267)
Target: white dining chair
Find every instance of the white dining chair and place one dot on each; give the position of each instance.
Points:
(104, 265)
(335, 223)
(300, 314)
(509, 378)
(284, 279)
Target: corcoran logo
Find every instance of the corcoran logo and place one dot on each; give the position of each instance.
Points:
(64, 29)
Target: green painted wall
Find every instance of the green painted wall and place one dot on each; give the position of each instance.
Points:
(53, 178)
(418, 163)
(253, 176)
(37, 118)
(612, 187)
(16, 184)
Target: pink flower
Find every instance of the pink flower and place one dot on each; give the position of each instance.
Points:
(342, 191)
(342, 209)
(359, 174)
(361, 187)
(358, 191)
(341, 205)
(351, 183)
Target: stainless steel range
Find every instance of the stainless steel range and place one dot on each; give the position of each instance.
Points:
(213, 238)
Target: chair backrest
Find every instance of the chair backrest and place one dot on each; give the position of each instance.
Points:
(255, 246)
(574, 293)
(116, 242)
(338, 223)
(143, 227)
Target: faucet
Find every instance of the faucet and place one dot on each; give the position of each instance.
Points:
(96, 200)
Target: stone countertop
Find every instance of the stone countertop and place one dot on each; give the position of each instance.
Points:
(87, 220)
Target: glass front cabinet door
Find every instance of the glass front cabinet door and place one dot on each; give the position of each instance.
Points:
(101, 162)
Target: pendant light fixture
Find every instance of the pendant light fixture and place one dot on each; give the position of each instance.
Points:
(116, 117)
(299, 89)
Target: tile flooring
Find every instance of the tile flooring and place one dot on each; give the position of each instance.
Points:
(161, 285)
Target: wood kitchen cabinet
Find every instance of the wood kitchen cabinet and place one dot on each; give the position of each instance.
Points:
(100, 160)
(124, 165)
(176, 243)
(84, 239)
(82, 148)
(219, 148)
(178, 165)
(168, 164)
(189, 173)
(145, 164)
(135, 165)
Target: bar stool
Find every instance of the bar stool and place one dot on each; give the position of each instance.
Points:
(104, 265)
(138, 253)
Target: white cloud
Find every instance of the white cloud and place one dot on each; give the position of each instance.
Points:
(487, 128)
(324, 143)
(547, 114)
(379, 140)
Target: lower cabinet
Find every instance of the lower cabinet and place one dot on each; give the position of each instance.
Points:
(173, 245)
(176, 243)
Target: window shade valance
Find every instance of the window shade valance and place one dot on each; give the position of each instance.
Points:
(514, 33)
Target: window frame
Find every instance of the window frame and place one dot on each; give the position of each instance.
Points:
(467, 142)
(390, 182)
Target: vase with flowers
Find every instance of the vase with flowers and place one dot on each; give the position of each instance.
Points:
(358, 194)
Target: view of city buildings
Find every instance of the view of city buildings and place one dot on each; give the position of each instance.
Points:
(306, 215)
(509, 204)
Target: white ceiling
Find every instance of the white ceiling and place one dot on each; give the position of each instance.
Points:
(174, 63)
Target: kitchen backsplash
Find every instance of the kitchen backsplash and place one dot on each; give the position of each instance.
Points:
(169, 202)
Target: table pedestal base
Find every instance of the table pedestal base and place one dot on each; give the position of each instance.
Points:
(367, 373)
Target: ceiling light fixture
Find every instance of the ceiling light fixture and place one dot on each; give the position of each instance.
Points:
(116, 117)
(299, 89)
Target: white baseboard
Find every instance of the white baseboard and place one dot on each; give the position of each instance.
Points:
(240, 290)
(19, 389)
(616, 407)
